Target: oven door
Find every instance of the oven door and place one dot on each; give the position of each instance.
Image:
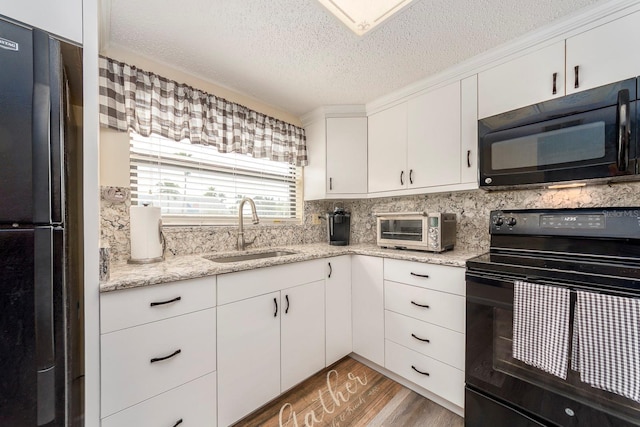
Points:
(498, 382)
(550, 142)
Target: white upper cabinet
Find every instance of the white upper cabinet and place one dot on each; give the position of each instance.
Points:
(62, 18)
(523, 81)
(469, 131)
(388, 149)
(346, 155)
(602, 54)
(337, 153)
(433, 135)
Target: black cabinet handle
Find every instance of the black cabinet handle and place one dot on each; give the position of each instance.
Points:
(178, 422)
(468, 158)
(624, 130)
(576, 71)
(330, 270)
(153, 304)
(419, 371)
(419, 305)
(330, 183)
(420, 339)
(555, 89)
(160, 359)
(286, 311)
(275, 301)
(410, 176)
(402, 178)
(426, 276)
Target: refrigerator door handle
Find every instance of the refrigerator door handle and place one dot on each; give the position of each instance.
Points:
(41, 129)
(45, 339)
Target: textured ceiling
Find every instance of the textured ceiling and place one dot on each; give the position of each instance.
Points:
(295, 56)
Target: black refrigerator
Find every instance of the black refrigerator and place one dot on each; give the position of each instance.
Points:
(40, 268)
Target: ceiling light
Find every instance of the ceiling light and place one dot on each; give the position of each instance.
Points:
(362, 16)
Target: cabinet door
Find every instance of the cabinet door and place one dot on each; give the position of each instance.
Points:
(338, 309)
(603, 54)
(522, 81)
(315, 172)
(368, 307)
(434, 137)
(388, 149)
(248, 355)
(302, 345)
(469, 130)
(347, 155)
(60, 17)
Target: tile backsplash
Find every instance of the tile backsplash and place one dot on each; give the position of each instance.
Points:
(472, 209)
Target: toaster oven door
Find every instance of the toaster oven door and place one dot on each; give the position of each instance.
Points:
(400, 230)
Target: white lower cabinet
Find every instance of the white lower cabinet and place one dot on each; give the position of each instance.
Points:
(431, 374)
(158, 348)
(302, 333)
(191, 404)
(338, 308)
(268, 343)
(424, 326)
(248, 356)
(368, 307)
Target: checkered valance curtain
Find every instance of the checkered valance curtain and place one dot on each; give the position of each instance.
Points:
(133, 99)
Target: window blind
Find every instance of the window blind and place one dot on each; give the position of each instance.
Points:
(194, 184)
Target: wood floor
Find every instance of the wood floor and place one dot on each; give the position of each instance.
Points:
(350, 394)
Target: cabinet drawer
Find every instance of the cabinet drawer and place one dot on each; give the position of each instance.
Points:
(248, 284)
(131, 307)
(443, 344)
(194, 403)
(127, 374)
(443, 380)
(435, 307)
(438, 277)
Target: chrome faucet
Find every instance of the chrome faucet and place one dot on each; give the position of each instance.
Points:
(241, 242)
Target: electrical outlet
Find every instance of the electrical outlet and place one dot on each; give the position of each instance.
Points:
(315, 219)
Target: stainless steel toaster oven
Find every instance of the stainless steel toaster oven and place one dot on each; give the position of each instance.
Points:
(435, 232)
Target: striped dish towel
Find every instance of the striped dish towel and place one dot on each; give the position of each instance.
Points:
(608, 343)
(541, 326)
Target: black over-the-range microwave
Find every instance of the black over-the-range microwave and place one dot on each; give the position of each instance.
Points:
(590, 135)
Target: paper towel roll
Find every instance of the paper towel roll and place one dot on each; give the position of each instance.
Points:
(146, 234)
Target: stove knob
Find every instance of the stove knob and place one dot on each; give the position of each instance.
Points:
(498, 221)
(511, 222)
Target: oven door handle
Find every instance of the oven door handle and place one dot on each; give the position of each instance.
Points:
(624, 129)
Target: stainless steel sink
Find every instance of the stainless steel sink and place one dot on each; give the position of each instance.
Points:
(248, 257)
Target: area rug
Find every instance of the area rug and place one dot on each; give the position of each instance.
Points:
(345, 394)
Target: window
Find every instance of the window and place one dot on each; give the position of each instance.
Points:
(194, 184)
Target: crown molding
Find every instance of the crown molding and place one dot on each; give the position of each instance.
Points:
(594, 16)
(347, 110)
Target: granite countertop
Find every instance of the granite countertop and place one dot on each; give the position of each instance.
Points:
(124, 276)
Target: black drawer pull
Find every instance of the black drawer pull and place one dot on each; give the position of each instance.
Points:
(419, 371)
(160, 359)
(330, 270)
(275, 301)
(178, 422)
(419, 305)
(286, 311)
(410, 176)
(555, 89)
(176, 299)
(426, 276)
(576, 71)
(468, 158)
(420, 339)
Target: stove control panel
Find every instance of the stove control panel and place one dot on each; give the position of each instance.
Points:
(580, 222)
